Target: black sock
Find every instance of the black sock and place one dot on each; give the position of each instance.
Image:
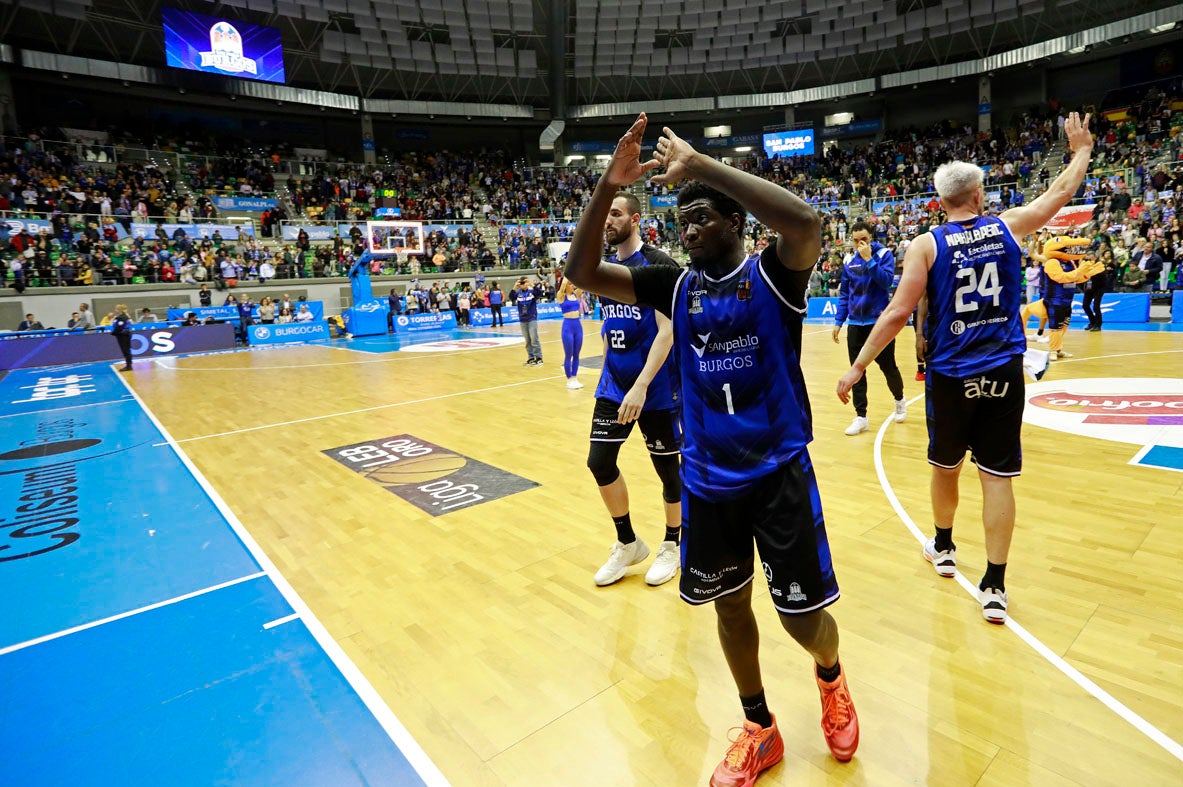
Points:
(673, 533)
(944, 539)
(755, 709)
(995, 577)
(829, 674)
(624, 529)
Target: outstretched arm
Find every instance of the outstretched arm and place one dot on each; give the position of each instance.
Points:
(798, 226)
(584, 264)
(1028, 218)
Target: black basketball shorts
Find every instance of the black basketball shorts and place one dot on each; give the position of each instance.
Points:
(782, 515)
(982, 414)
(662, 433)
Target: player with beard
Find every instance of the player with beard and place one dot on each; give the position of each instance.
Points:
(636, 386)
(746, 471)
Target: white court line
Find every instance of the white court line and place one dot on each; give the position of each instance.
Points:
(124, 400)
(128, 614)
(281, 621)
(1107, 357)
(410, 749)
(394, 356)
(361, 410)
(1107, 699)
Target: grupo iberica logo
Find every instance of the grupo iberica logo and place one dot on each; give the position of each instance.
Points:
(1142, 411)
(426, 475)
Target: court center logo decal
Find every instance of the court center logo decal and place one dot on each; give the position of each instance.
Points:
(455, 345)
(1143, 411)
(426, 475)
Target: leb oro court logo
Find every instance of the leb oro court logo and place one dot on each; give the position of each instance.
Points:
(426, 475)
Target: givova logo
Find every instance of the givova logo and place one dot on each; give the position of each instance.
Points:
(426, 475)
(1142, 411)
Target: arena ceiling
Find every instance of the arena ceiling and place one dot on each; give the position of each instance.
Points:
(504, 51)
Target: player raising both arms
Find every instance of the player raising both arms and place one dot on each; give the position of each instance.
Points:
(746, 470)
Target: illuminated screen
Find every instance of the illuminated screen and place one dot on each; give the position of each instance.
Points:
(219, 46)
(789, 143)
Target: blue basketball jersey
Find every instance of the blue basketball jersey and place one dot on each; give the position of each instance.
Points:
(745, 410)
(1055, 293)
(629, 331)
(974, 289)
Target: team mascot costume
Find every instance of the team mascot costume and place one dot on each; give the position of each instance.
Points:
(1060, 274)
(367, 316)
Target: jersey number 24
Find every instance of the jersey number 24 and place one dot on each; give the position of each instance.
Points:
(987, 287)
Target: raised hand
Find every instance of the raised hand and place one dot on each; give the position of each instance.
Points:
(674, 154)
(1077, 131)
(626, 165)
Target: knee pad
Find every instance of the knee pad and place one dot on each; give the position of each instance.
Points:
(667, 467)
(601, 460)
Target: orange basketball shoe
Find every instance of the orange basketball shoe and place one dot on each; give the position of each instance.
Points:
(839, 721)
(756, 749)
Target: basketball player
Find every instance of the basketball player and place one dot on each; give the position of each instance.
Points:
(972, 271)
(636, 386)
(746, 470)
(867, 275)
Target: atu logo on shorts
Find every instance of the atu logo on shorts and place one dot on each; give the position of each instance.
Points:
(426, 475)
(1143, 411)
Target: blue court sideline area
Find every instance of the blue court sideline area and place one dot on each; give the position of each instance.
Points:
(145, 639)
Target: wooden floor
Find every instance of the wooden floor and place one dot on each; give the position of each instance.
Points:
(484, 633)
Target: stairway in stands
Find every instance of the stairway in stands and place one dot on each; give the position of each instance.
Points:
(486, 230)
(1053, 159)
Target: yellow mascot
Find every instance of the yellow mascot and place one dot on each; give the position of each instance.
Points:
(1057, 284)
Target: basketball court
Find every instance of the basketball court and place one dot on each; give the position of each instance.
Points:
(350, 563)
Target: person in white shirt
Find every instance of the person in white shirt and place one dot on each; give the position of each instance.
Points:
(304, 315)
(85, 318)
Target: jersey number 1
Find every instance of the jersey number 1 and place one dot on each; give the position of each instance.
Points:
(727, 393)
(987, 287)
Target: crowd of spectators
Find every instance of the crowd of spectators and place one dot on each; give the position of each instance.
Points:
(1134, 188)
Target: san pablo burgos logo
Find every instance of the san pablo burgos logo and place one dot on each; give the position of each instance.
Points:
(262, 332)
(225, 43)
(727, 346)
